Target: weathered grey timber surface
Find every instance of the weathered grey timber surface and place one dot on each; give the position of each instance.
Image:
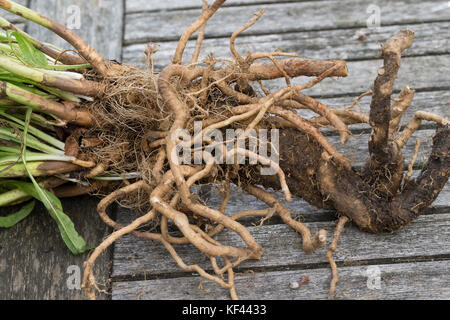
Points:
(412, 263)
(99, 22)
(397, 282)
(36, 264)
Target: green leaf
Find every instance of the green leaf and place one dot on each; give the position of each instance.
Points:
(30, 54)
(9, 77)
(73, 240)
(30, 189)
(12, 219)
(3, 38)
(9, 150)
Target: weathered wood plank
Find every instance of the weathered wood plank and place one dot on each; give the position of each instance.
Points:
(419, 280)
(326, 271)
(427, 236)
(430, 38)
(133, 6)
(280, 18)
(431, 101)
(420, 73)
(100, 23)
(34, 261)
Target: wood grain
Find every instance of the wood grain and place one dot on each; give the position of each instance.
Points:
(280, 18)
(133, 6)
(403, 281)
(424, 237)
(34, 260)
(101, 23)
(430, 38)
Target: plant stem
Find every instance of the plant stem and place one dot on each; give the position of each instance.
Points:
(11, 135)
(67, 96)
(92, 56)
(13, 197)
(17, 196)
(37, 169)
(42, 157)
(19, 69)
(6, 48)
(38, 119)
(55, 53)
(66, 81)
(36, 132)
(7, 103)
(127, 176)
(64, 112)
(10, 150)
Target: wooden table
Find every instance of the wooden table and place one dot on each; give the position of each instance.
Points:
(409, 264)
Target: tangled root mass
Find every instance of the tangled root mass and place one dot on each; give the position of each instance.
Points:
(136, 116)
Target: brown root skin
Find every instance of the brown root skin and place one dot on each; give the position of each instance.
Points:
(380, 108)
(84, 87)
(332, 249)
(300, 168)
(310, 244)
(385, 177)
(181, 112)
(384, 170)
(201, 21)
(354, 198)
(294, 68)
(325, 185)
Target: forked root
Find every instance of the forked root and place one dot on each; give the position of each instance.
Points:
(332, 249)
(310, 244)
(133, 132)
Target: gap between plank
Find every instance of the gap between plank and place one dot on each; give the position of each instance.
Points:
(320, 265)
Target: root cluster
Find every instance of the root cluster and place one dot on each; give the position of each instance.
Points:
(137, 117)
